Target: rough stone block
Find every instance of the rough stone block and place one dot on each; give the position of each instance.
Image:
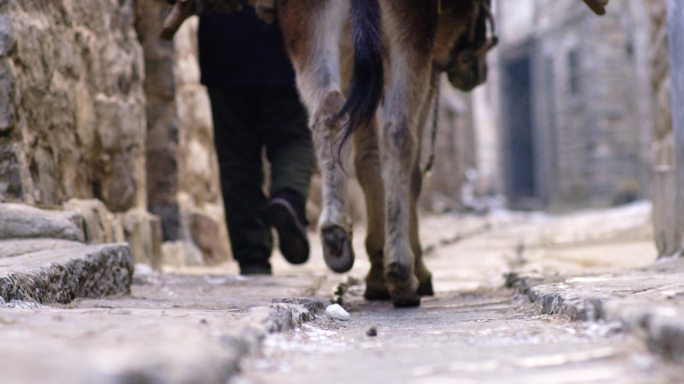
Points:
(10, 173)
(170, 220)
(6, 37)
(62, 275)
(6, 90)
(143, 233)
(181, 254)
(71, 93)
(206, 234)
(100, 225)
(22, 221)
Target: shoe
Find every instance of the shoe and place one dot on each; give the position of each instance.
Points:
(285, 212)
(251, 268)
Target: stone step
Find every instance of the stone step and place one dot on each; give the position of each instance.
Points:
(18, 247)
(63, 271)
(18, 221)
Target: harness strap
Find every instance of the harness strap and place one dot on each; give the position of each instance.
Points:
(473, 48)
(435, 126)
(475, 51)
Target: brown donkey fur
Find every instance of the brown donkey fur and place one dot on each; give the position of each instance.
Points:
(400, 47)
(394, 53)
(416, 39)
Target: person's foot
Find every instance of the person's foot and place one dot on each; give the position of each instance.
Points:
(250, 268)
(285, 212)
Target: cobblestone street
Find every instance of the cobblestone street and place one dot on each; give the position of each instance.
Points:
(212, 326)
(484, 336)
(163, 163)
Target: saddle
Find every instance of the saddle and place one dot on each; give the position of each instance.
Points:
(183, 9)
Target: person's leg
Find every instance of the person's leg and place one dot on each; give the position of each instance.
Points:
(288, 141)
(239, 153)
(284, 126)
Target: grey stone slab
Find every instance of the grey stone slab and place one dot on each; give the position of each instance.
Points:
(19, 221)
(648, 301)
(18, 247)
(158, 334)
(61, 275)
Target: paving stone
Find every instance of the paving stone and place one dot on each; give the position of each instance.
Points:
(172, 328)
(648, 301)
(61, 275)
(198, 325)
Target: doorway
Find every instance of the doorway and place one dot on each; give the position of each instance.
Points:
(522, 188)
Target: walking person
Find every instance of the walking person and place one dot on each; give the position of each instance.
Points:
(256, 108)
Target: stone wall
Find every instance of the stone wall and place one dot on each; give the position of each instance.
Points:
(182, 172)
(665, 217)
(199, 196)
(72, 117)
(162, 137)
(75, 121)
(589, 121)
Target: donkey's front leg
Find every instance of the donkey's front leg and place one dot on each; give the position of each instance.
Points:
(311, 29)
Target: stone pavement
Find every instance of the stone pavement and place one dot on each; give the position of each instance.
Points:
(601, 267)
(648, 301)
(208, 325)
(172, 328)
(475, 330)
(71, 312)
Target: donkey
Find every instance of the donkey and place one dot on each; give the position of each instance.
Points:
(414, 40)
(393, 55)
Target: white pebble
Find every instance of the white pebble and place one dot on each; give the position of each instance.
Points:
(336, 312)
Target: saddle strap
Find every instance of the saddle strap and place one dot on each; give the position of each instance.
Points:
(435, 126)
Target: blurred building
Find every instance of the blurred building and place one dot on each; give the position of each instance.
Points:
(100, 116)
(573, 105)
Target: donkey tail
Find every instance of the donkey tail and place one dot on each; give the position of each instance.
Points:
(365, 91)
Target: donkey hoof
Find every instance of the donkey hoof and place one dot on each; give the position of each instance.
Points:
(337, 249)
(376, 291)
(406, 301)
(425, 287)
(403, 285)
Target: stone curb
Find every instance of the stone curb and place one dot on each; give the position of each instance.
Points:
(62, 275)
(222, 361)
(659, 324)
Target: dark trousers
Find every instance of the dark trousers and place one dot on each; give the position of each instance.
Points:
(248, 120)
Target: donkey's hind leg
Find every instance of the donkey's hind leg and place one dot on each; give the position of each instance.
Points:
(311, 29)
(423, 274)
(410, 56)
(367, 161)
